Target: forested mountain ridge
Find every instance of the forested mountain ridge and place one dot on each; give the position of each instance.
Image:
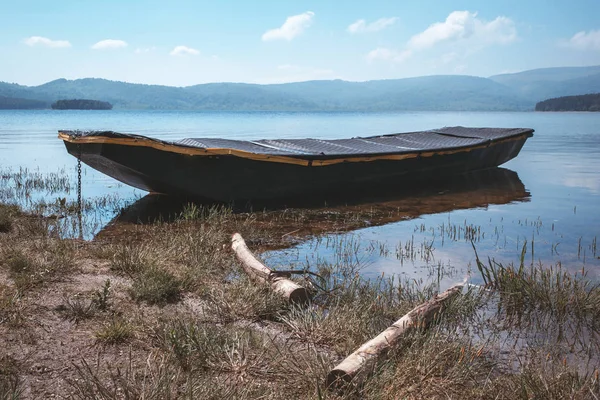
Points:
(508, 92)
(585, 102)
(16, 103)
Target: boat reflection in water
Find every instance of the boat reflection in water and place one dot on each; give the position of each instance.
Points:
(378, 205)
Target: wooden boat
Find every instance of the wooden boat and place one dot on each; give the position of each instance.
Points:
(227, 170)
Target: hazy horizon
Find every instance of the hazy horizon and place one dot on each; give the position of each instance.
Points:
(309, 80)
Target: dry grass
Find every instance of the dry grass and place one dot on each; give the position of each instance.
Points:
(231, 338)
(12, 307)
(7, 215)
(240, 299)
(348, 310)
(156, 286)
(77, 309)
(129, 260)
(25, 271)
(81, 307)
(156, 381)
(116, 331)
(431, 366)
(541, 379)
(10, 380)
(38, 266)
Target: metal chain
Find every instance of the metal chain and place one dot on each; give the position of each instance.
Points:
(79, 205)
(79, 177)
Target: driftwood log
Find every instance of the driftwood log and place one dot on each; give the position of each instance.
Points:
(363, 360)
(258, 272)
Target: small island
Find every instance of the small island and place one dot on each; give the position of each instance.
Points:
(81, 104)
(585, 102)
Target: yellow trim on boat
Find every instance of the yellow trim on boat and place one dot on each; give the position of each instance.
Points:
(190, 151)
(193, 151)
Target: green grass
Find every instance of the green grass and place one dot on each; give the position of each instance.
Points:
(194, 345)
(348, 310)
(240, 298)
(544, 298)
(151, 283)
(156, 286)
(547, 380)
(25, 271)
(430, 365)
(116, 331)
(130, 260)
(46, 261)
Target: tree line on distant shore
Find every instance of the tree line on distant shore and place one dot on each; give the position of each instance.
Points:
(15, 103)
(12, 103)
(585, 102)
(81, 104)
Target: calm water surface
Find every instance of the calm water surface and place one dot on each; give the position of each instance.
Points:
(559, 168)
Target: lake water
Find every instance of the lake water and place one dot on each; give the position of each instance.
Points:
(559, 168)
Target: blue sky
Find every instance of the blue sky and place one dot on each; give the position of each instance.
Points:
(180, 42)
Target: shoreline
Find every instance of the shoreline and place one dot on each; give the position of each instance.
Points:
(166, 303)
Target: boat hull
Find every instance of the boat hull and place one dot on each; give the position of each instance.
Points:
(230, 178)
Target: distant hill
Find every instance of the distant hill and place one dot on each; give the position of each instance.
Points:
(441, 92)
(424, 93)
(556, 74)
(507, 92)
(586, 102)
(18, 91)
(15, 103)
(540, 84)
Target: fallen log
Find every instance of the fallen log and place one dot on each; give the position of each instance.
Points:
(258, 272)
(363, 360)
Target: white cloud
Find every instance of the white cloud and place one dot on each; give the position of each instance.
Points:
(384, 54)
(43, 41)
(362, 26)
(461, 25)
(109, 44)
(458, 24)
(502, 30)
(462, 31)
(184, 50)
(584, 41)
(292, 27)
